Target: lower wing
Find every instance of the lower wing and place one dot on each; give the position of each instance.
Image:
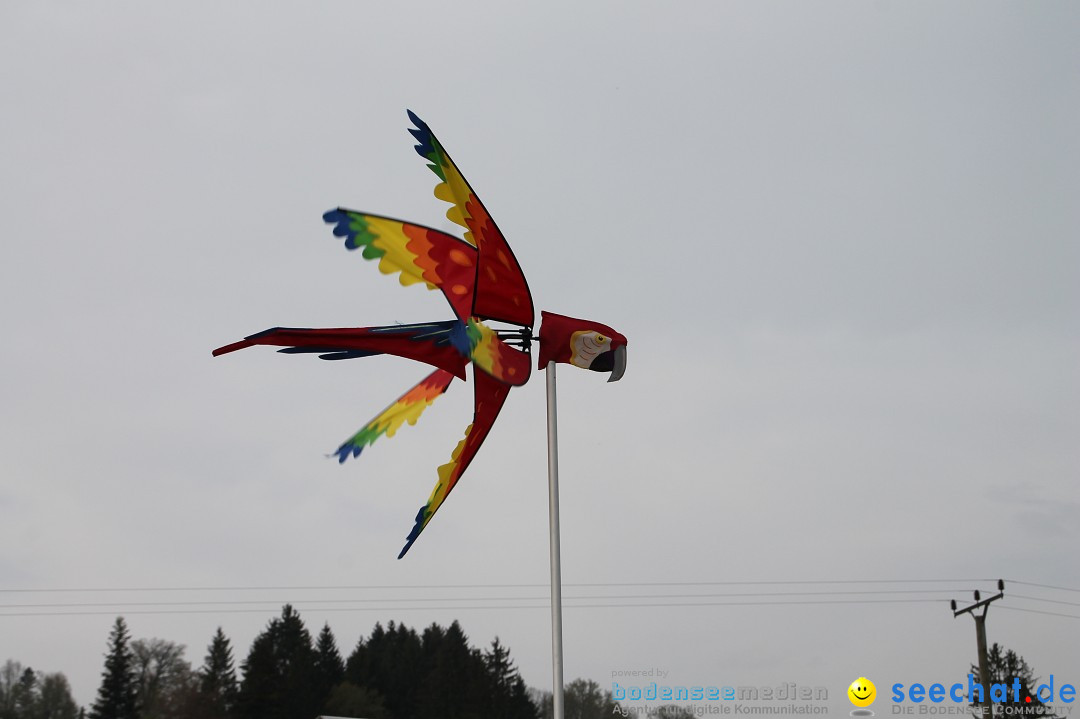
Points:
(488, 398)
(406, 408)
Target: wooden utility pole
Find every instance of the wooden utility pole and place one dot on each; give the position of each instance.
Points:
(980, 638)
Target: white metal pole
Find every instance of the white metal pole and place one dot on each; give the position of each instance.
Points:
(556, 569)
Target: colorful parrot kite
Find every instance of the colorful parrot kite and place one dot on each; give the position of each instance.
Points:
(481, 279)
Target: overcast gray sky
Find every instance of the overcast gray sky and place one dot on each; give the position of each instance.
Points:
(841, 238)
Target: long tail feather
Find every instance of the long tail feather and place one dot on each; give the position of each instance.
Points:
(441, 344)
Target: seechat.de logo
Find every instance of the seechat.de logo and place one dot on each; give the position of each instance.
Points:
(862, 694)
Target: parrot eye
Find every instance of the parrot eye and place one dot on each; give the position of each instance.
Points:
(600, 339)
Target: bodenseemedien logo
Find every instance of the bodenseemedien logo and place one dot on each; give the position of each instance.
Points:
(641, 700)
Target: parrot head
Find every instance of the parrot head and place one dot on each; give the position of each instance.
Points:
(582, 343)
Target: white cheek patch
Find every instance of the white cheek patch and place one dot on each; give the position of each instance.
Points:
(585, 347)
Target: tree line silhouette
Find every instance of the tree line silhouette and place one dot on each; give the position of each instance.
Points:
(394, 673)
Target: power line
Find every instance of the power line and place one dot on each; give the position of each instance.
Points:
(1044, 586)
(339, 600)
(795, 595)
(482, 586)
(483, 607)
(1039, 611)
(1040, 599)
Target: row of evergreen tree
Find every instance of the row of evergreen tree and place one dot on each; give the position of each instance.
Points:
(395, 673)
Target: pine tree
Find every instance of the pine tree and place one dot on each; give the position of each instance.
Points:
(259, 687)
(25, 693)
(509, 695)
(521, 704)
(329, 667)
(217, 678)
(438, 674)
(296, 657)
(456, 684)
(1005, 667)
(116, 695)
(359, 669)
(501, 671)
(391, 662)
(279, 672)
(399, 667)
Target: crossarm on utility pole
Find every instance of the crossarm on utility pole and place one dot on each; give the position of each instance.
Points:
(980, 638)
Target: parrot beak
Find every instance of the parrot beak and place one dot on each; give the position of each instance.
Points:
(619, 365)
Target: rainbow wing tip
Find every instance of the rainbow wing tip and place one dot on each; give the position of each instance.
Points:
(343, 452)
(342, 223)
(425, 143)
(415, 533)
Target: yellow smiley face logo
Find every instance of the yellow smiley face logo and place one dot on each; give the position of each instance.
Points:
(862, 692)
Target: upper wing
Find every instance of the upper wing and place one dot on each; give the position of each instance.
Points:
(420, 254)
(440, 344)
(488, 398)
(501, 291)
(406, 408)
